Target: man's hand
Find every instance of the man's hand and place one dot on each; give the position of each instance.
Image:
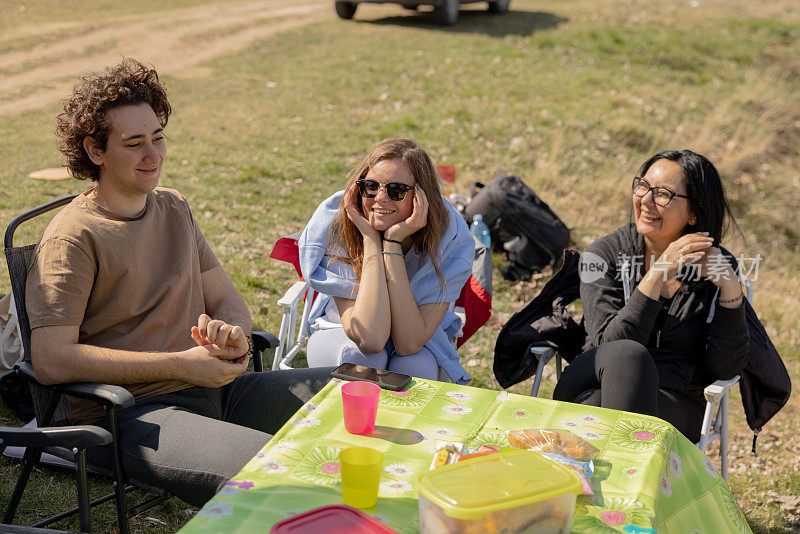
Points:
(219, 333)
(210, 366)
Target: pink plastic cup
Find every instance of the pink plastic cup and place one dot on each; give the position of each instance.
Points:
(360, 402)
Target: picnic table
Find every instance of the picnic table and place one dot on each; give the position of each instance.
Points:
(647, 478)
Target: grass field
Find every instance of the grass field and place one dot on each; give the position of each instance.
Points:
(572, 94)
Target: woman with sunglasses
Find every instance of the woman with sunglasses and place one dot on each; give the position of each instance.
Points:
(388, 256)
(662, 303)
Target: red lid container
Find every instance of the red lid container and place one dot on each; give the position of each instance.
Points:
(333, 519)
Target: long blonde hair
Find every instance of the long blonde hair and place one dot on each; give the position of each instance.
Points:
(346, 236)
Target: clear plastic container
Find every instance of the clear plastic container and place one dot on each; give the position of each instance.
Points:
(509, 492)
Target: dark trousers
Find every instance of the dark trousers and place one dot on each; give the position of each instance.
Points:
(190, 442)
(622, 375)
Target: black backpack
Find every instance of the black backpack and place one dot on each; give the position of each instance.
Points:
(522, 224)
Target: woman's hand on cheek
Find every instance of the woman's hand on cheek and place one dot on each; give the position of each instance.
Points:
(352, 200)
(416, 221)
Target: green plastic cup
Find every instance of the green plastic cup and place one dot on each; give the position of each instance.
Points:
(361, 472)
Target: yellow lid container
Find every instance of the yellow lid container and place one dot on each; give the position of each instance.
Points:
(495, 483)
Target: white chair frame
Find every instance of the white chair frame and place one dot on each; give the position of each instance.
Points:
(291, 339)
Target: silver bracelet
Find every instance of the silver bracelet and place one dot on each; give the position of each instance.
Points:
(731, 301)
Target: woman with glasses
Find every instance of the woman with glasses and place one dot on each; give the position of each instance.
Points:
(388, 255)
(662, 302)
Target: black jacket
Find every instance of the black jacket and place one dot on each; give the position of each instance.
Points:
(689, 352)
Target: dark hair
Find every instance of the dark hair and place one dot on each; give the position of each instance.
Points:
(704, 189)
(128, 83)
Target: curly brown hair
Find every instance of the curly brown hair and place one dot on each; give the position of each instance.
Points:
(128, 83)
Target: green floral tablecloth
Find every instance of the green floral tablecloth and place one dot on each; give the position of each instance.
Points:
(647, 478)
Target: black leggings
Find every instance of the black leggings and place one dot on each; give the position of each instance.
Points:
(622, 375)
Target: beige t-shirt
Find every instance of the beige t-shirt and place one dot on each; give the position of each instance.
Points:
(130, 283)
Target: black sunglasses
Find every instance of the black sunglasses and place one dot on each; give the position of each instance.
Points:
(661, 195)
(395, 190)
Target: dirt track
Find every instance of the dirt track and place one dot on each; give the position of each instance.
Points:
(176, 41)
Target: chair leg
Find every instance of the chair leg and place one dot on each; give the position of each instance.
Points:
(722, 415)
(83, 491)
(706, 428)
(537, 380)
(258, 361)
(146, 505)
(282, 346)
(292, 329)
(116, 468)
(558, 367)
(32, 456)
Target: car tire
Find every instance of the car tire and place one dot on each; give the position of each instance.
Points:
(446, 12)
(498, 7)
(345, 10)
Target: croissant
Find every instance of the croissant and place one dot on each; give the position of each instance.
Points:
(561, 442)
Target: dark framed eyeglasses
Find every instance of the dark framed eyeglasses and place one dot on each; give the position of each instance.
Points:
(394, 190)
(661, 195)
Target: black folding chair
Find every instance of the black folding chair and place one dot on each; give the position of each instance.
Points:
(52, 409)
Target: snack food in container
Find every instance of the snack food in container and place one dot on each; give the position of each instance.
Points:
(561, 442)
(511, 492)
(563, 446)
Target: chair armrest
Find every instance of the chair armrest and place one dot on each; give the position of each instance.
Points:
(264, 340)
(70, 437)
(714, 392)
(26, 370)
(293, 295)
(547, 352)
(107, 395)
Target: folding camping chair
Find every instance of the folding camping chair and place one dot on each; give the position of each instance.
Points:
(715, 419)
(52, 409)
(474, 305)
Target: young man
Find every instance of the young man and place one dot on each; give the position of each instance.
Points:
(125, 290)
